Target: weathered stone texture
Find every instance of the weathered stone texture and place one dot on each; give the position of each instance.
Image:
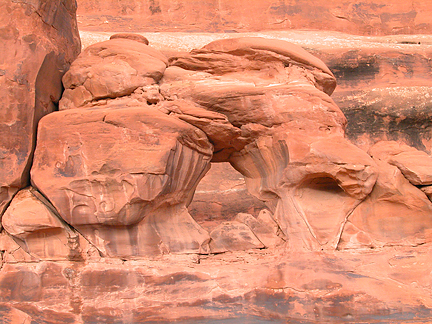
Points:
(107, 169)
(110, 217)
(39, 40)
(358, 17)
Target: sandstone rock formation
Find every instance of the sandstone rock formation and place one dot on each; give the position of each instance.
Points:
(253, 98)
(38, 230)
(107, 218)
(123, 177)
(262, 105)
(261, 87)
(39, 41)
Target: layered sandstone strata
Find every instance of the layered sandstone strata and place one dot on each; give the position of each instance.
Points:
(377, 17)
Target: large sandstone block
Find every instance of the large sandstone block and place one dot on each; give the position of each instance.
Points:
(39, 40)
(106, 169)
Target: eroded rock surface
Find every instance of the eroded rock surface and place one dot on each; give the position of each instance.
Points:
(247, 101)
(395, 213)
(254, 286)
(262, 105)
(384, 91)
(111, 69)
(377, 17)
(283, 113)
(39, 41)
(116, 168)
(123, 176)
(39, 231)
(415, 165)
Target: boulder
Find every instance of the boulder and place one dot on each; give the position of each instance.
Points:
(415, 165)
(111, 69)
(107, 169)
(395, 213)
(40, 40)
(233, 236)
(38, 230)
(263, 231)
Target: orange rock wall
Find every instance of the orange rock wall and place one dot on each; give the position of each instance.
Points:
(379, 17)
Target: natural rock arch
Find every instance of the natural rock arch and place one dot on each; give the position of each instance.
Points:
(252, 98)
(136, 132)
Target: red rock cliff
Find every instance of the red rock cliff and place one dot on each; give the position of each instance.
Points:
(367, 17)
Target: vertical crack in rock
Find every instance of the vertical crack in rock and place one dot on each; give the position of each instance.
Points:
(42, 53)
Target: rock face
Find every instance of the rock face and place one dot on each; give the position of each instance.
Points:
(43, 40)
(358, 17)
(247, 101)
(258, 286)
(385, 94)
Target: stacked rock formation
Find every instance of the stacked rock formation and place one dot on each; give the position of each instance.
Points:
(115, 169)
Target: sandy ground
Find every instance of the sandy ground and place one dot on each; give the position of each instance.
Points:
(308, 39)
